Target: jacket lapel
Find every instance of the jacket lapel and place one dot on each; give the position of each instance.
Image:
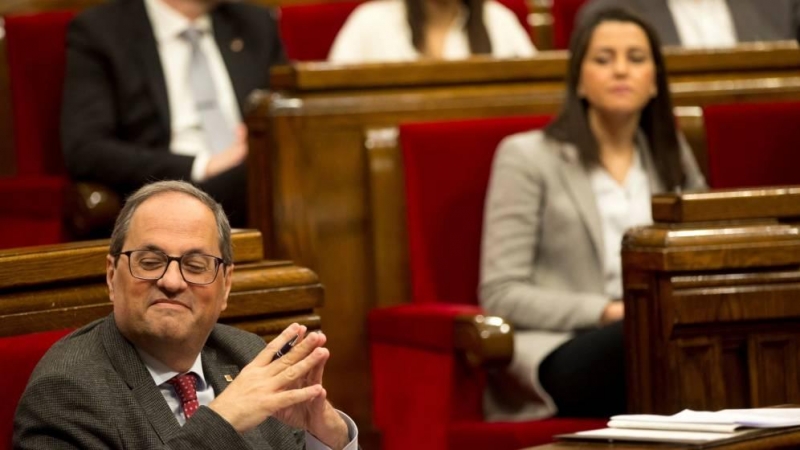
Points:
(131, 369)
(575, 178)
(748, 23)
(144, 46)
(234, 50)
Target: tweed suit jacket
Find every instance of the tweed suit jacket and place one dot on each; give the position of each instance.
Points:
(92, 391)
(753, 20)
(542, 253)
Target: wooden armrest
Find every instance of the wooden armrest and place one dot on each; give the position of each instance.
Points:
(486, 341)
(92, 209)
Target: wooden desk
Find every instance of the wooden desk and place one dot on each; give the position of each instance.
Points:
(711, 290)
(766, 440)
(314, 162)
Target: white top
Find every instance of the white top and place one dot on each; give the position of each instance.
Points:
(175, 53)
(378, 31)
(161, 374)
(621, 207)
(703, 23)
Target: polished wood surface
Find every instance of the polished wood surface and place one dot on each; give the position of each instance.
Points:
(325, 172)
(64, 286)
(782, 439)
(712, 317)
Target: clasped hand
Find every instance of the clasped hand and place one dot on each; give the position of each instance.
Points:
(289, 388)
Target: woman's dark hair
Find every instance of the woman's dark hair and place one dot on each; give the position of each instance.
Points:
(656, 121)
(479, 42)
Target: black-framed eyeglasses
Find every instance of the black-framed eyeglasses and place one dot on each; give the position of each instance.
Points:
(195, 268)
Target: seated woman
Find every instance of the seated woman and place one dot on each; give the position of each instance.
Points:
(407, 30)
(558, 204)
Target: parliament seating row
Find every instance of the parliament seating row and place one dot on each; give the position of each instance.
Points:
(47, 291)
(333, 197)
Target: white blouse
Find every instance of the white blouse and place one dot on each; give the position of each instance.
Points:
(621, 207)
(378, 31)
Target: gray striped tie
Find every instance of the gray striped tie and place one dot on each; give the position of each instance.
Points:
(219, 133)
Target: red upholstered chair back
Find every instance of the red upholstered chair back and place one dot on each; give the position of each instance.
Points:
(447, 166)
(19, 355)
(753, 144)
(36, 47)
(308, 30)
(564, 13)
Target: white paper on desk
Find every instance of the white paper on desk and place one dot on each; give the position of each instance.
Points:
(623, 434)
(756, 418)
(683, 426)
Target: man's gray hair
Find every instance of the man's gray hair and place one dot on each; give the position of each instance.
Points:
(147, 191)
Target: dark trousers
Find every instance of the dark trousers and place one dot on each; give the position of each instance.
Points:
(586, 375)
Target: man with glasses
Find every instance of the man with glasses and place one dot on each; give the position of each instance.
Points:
(154, 373)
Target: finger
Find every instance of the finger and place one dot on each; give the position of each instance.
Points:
(315, 375)
(287, 399)
(265, 356)
(298, 372)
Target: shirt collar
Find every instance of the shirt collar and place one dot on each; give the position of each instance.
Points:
(161, 373)
(168, 23)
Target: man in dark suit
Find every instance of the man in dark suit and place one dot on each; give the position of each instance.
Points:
(677, 21)
(159, 372)
(131, 114)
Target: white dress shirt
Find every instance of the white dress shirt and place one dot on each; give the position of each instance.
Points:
(378, 31)
(703, 23)
(621, 206)
(187, 136)
(205, 395)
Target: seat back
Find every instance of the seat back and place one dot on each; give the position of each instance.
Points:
(752, 144)
(446, 170)
(36, 49)
(19, 354)
(564, 13)
(308, 30)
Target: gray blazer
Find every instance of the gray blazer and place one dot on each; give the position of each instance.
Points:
(91, 391)
(753, 20)
(542, 253)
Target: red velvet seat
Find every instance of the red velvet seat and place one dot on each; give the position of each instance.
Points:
(753, 144)
(564, 13)
(19, 355)
(32, 202)
(308, 30)
(424, 397)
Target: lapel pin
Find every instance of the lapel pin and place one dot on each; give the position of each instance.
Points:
(228, 378)
(237, 45)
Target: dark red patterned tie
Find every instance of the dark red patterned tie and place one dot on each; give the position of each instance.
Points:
(186, 387)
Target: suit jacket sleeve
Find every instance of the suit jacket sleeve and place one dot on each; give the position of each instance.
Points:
(512, 234)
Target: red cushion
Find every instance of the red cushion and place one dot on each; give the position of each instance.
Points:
(446, 167)
(19, 355)
(564, 13)
(477, 435)
(36, 49)
(308, 30)
(753, 144)
(428, 326)
(31, 211)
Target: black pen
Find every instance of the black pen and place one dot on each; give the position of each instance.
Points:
(286, 347)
